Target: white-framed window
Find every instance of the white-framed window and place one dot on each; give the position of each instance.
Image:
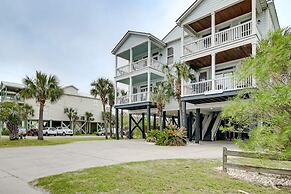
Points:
(170, 55)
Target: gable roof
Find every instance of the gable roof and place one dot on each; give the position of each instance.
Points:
(129, 33)
(71, 86)
(188, 11)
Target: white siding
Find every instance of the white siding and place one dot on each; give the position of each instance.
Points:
(56, 111)
(206, 7)
(132, 41)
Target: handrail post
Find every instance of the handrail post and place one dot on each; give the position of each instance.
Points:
(224, 159)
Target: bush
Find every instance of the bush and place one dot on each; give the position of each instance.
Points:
(78, 133)
(172, 136)
(5, 131)
(152, 135)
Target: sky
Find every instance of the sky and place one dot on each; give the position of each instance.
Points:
(73, 39)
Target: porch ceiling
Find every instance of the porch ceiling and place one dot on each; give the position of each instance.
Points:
(138, 50)
(224, 15)
(139, 78)
(222, 57)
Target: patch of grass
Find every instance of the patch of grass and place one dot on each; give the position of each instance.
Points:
(160, 176)
(5, 142)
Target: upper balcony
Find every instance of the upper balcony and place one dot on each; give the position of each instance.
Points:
(232, 34)
(138, 66)
(215, 26)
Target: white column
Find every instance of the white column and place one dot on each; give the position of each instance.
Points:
(213, 70)
(130, 89)
(212, 28)
(254, 16)
(182, 41)
(115, 92)
(149, 52)
(149, 86)
(130, 59)
(116, 64)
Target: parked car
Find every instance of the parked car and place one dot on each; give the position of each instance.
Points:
(64, 131)
(101, 132)
(50, 131)
(22, 132)
(32, 132)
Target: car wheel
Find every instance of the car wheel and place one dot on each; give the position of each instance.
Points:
(64, 134)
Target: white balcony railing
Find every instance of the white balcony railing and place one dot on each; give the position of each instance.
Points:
(138, 97)
(138, 65)
(225, 36)
(220, 85)
(122, 70)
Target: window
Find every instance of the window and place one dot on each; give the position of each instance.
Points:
(170, 55)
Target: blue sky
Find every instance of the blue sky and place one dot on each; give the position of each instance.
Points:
(74, 38)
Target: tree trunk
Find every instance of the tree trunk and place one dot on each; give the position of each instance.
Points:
(161, 120)
(121, 124)
(179, 98)
(13, 131)
(40, 121)
(110, 121)
(105, 121)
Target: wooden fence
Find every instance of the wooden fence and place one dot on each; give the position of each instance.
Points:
(240, 154)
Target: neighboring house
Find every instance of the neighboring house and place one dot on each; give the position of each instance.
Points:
(54, 115)
(212, 37)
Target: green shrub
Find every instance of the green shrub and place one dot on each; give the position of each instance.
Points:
(5, 131)
(152, 135)
(172, 136)
(78, 133)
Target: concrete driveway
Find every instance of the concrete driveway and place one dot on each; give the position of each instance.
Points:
(18, 166)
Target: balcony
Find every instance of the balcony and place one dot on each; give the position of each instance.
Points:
(226, 36)
(217, 85)
(135, 98)
(139, 65)
(12, 98)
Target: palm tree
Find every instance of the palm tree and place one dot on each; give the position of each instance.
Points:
(111, 99)
(42, 88)
(72, 115)
(101, 87)
(123, 93)
(26, 112)
(175, 77)
(161, 96)
(89, 118)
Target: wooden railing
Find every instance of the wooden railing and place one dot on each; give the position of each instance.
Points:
(122, 70)
(225, 36)
(240, 154)
(139, 97)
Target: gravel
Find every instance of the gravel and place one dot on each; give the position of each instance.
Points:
(261, 178)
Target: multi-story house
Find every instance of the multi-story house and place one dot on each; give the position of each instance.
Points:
(211, 37)
(54, 115)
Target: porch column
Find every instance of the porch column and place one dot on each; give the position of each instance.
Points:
(190, 125)
(130, 88)
(51, 123)
(142, 126)
(212, 28)
(117, 124)
(149, 87)
(213, 70)
(164, 119)
(182, 41)
(184, 115)
(197, 126)
(149, 117)
(149, 52)
(116, 64)
(254, 16)
(129, 127)
(179, 119)
(115, 93)
(130, 59)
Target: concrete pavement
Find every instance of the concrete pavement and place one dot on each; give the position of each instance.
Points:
(18, 166)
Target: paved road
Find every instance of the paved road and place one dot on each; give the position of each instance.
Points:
(18, 166)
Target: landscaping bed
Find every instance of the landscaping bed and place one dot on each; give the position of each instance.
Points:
(160, 176)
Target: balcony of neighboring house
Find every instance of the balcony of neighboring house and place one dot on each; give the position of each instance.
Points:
(226, 28)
